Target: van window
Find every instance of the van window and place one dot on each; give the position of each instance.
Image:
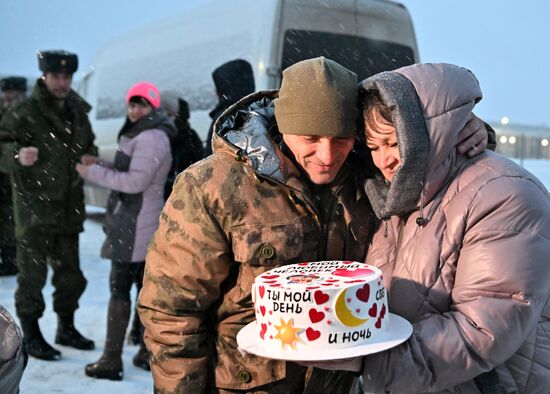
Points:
(364, 56)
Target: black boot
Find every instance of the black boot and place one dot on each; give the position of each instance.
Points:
(35, 343)
(141, 359)
(109, 366)
(134, 334)
(68, 335)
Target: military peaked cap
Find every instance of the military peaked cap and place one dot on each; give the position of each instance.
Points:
(57, 61)
(14, 83)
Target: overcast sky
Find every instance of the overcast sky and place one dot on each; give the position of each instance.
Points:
(504, 42)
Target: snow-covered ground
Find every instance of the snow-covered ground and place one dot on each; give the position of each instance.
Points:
(67, 375)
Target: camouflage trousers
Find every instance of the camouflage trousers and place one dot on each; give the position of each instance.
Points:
(34, 253)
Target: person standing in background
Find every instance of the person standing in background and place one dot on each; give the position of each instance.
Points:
(186, 146)
(41, 140)
(13, 91)
(136, 178)
(233, 81)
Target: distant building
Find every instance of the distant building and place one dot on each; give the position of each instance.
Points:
(523, 141)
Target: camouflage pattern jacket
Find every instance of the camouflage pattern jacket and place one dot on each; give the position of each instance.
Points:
(242, 211)
(48, 195)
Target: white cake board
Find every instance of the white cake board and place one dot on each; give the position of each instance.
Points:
(399, 330)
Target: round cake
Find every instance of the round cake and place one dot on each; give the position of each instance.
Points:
(320, 305)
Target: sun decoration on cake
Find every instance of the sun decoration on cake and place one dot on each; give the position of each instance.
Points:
(287, 333)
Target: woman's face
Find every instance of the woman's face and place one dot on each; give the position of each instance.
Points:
(137, 110)
(382, 142)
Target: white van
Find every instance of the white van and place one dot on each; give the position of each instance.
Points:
(178, 54)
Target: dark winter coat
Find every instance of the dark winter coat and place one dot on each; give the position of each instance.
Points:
(465, 256)
(48, 195)
(242, 211)
(137, 179)
(186, 146)
(12, 355)
(233, 81)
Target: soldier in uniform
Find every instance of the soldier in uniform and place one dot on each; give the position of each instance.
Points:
(283, 186)
(13, 91)
(43, 137)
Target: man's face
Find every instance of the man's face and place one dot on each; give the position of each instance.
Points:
(58, 84)
(320, 157)
(10, 97)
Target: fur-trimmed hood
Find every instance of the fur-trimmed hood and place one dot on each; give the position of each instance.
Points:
(430, 104)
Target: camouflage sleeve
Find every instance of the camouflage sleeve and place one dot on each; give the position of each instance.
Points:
(186, 263)
(12, 138)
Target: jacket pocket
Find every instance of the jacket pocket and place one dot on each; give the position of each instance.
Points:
(271, 245)
(235, 371)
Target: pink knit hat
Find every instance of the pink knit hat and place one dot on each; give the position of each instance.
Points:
(146, 90)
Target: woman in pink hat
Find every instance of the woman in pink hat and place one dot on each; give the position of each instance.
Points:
(136, 178)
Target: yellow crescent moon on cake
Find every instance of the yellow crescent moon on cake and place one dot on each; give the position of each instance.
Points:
(344, 314)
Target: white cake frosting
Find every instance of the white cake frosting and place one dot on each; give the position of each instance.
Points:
(320, 305)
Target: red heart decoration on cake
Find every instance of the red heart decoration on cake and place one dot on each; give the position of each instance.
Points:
(268, 277)
(358, 310)
(352, 273)
(363, 293)
(320, 297)
(312, 288)
(316, 316)
(312, 334)
(261, 291)
(331, 280)
(270, 282)
(327, 284)
(373, 311)
(383, 311)
(262, 310)
(354, 281)
(348, 299)
(270, 312)
(263, 330)
(347, 262)
(378, 323)
(327, 309)
(329, 322)
(275, 285)
(304, 263)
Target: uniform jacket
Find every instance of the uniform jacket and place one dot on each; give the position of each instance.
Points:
(137, 179)
(12, 356)
(48, 195)
(242, 211)
(465, 254)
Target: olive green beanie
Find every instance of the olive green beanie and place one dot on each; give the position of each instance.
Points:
(317, 97)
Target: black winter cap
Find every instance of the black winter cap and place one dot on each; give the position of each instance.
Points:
(234, 79)
(14, 83)
(57, 61)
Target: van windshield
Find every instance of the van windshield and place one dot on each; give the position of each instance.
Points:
(364, 56)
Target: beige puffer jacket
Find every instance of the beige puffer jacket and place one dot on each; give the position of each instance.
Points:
(466, 259)
(242, 211)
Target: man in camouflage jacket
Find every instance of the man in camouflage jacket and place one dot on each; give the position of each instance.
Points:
(41, 140)
(278, 190)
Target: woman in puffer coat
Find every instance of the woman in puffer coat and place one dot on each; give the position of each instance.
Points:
(13, 358)
(137, 179)
(463, 247)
